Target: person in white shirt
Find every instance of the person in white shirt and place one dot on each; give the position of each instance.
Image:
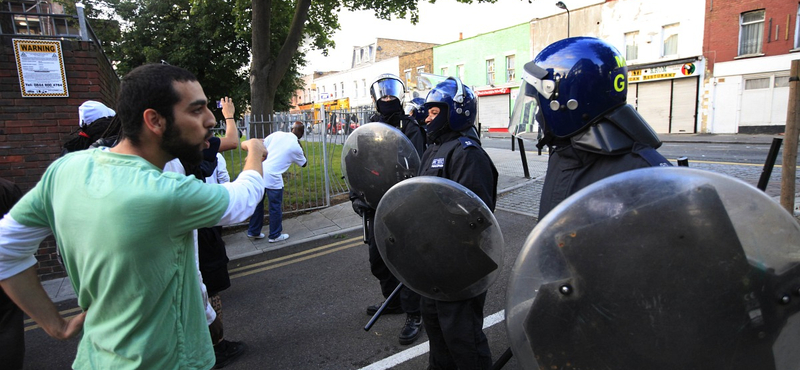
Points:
(284, 149)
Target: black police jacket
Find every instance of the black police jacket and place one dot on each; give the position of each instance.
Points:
(463, 160)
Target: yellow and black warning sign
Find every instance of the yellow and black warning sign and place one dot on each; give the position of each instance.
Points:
(40, 67)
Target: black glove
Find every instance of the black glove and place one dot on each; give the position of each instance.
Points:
(361, 208)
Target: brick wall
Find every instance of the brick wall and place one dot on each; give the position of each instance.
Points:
(721, 43)
(32, 130)
(412, 61)
(390, 48)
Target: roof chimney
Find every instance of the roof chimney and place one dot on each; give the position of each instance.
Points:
(461, 35)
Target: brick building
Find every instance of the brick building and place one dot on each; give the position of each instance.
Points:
(412, 64)
(749, 46)
(33, 127)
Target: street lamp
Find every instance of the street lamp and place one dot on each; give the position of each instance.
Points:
(561, 5)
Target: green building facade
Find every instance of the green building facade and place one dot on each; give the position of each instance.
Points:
(491, 64)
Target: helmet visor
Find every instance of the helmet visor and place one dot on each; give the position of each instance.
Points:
(535, 76)
(388, 87)
(523, 118)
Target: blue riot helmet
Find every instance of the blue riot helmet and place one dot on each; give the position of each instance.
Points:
(575, 82)
(458, 104)
(388, 85)
(416, 109)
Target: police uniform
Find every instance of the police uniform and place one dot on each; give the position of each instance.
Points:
(570, 169)
(455, 329)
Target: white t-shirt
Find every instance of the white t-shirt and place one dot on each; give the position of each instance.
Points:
(283, 149)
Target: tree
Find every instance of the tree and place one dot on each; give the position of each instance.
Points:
(313, 21)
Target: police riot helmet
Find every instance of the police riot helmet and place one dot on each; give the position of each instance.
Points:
(575, 81)
(387, 84)
(416, 108)
(458, 104)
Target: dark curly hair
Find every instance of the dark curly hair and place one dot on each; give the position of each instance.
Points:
(148, 87)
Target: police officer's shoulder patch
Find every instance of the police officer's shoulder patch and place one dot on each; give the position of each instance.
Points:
(467, 142)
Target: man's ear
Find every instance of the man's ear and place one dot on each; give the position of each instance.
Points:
(154, 121)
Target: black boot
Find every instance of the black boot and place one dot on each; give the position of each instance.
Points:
(227, 351)
(411, 330)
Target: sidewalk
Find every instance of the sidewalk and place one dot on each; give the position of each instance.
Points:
(515, 194)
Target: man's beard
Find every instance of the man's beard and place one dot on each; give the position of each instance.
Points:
(173, 144)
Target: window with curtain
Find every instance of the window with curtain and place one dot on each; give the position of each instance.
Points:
(460, 72)
(756, 83)
(670, 37)
(444, 71)
(797, 28)
(511, 71)
(751, 32)
(490, 71)
(632, 45)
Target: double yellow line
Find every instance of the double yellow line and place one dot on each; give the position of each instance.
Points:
(294, 258)
(253, 269)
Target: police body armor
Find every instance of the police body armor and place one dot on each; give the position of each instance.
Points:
(659, 268)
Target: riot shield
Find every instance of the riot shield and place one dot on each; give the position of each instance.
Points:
(659, 268)
(439, 238)
(375, 157)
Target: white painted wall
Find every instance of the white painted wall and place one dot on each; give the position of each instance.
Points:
(368, 73)
(648, 17)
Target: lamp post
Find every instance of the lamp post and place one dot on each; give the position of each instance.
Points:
(561, 5)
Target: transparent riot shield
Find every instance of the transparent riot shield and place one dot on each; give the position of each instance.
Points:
(659, 268)
(522, 122)
(375, 157)
(439, 238)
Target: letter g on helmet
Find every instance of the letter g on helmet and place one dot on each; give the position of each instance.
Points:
(576, 80)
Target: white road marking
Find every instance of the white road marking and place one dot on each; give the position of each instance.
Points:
(423, 348)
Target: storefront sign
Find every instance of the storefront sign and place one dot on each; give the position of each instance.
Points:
(498, 91)
(662, 73)
(40, 66)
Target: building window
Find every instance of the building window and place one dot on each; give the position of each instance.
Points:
(782, 81)
(420, 70)
(343, 94)
(444, 71)
(364, 87)
(797, 29)
(490, 71)
(460, 72)
(511, 70)
(756, 83)
(632, 45)
(355, 89)
(407, 75)
(670, 37)
(335, 91)
(751, 32)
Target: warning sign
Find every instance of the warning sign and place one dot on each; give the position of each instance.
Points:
(40, 66)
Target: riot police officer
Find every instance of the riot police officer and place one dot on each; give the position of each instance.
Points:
(581, 87)
(416, 110)
(455, 328)
(387, 94)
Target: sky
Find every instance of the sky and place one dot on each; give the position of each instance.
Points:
(439, 23)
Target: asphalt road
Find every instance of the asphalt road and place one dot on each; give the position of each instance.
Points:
(303, 307)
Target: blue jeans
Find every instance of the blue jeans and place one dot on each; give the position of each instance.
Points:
(275, 198)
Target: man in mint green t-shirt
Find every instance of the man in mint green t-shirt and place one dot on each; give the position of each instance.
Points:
(124, 229)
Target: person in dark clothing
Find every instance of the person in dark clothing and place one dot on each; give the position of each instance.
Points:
(387, 93)
(580, 87)
(12, 327)
(416, 110)
(455, 328)
(97, 127)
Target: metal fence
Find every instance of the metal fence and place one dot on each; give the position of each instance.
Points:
(321, 181)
